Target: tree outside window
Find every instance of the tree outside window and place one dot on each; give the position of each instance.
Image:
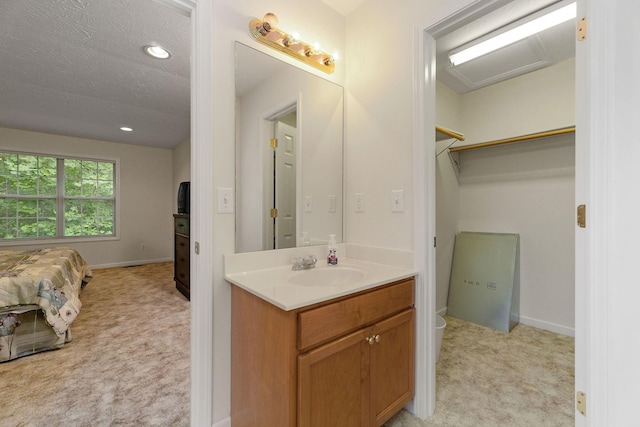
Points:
(51, 197)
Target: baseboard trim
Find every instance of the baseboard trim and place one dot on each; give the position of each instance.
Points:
(536, 323)
(548, 326)
(130, 263)
(225, 422)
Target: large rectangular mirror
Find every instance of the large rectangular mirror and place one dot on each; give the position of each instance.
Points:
(289, 192)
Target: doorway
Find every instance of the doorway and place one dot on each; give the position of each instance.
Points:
(426, 35)
(280, 166)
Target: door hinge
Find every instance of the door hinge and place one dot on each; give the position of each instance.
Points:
(581, 403)
(582, 216)
(273, 142)
(582, 29)
(274, 213)
(434, 241)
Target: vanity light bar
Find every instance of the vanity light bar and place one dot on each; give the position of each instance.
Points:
(266, 31)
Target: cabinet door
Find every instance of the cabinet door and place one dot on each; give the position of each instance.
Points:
(392, 366)
(333, 383)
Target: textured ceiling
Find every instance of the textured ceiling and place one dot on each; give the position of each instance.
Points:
(76, 67)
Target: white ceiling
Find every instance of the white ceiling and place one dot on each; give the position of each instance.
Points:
(542, 50)
(76, 67)
(344, 7)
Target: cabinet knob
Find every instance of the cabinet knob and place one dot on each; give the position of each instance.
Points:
(372, 339)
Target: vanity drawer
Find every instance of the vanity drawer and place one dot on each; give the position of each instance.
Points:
(181, 226)
(324, 323)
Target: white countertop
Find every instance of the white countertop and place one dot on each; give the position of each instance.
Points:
(271, 284)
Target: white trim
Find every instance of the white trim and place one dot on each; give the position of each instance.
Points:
(225, 422)
(536, 323)
(201, 269)
(60, 241)
(424, 185)
(130, 263)
(548, 326)
(424, 260)
(595, 107)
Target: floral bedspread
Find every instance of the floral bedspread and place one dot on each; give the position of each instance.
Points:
(51, 278)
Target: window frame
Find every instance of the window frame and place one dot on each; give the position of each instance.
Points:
(60, 198)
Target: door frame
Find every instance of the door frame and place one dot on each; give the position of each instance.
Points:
(425, 34)
(201, 224)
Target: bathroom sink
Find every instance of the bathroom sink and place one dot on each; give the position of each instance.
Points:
(327, 276)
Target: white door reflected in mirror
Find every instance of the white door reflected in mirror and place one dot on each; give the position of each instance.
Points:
(295, 190)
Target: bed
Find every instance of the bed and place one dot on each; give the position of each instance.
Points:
(39, 299)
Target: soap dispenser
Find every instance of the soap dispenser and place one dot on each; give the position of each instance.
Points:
(332, 258)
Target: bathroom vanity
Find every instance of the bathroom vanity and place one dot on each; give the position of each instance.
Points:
(345, 360)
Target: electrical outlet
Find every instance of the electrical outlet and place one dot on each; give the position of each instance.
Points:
(332, 203)
(142, 247)
(359, 202)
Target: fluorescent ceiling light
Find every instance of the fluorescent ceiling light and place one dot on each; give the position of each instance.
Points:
(515, 34)
(126, 129)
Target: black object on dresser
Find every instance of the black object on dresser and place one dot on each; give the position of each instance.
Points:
(181, 253)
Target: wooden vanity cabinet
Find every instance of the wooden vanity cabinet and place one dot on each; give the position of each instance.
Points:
(346, 362)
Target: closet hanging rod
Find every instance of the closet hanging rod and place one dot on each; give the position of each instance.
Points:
(450, 133)
(545, 134)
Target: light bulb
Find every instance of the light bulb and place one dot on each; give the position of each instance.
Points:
(271, 20)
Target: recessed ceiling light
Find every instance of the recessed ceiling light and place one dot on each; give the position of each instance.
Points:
(157, 52)
(126, 129)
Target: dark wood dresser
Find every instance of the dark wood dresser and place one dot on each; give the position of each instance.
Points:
(181, 253)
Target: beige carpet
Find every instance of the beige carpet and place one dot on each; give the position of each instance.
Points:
(491, 378)
(128, 363)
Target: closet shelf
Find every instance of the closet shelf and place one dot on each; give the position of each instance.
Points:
(443, 133)
(521, 138)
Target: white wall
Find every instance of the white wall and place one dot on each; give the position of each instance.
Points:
(448, 111)
(181, 161)
(544, 98)
(528, 189)
(525, 188)
(145, 200)
(379, 131)
(314, 21)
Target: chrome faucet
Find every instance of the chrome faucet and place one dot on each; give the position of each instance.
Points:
(304, 263)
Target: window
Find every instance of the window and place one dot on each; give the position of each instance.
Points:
(43, 197)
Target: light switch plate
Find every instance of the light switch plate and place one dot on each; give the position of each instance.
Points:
(397, 201)
(225, 200)
(308, 204)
